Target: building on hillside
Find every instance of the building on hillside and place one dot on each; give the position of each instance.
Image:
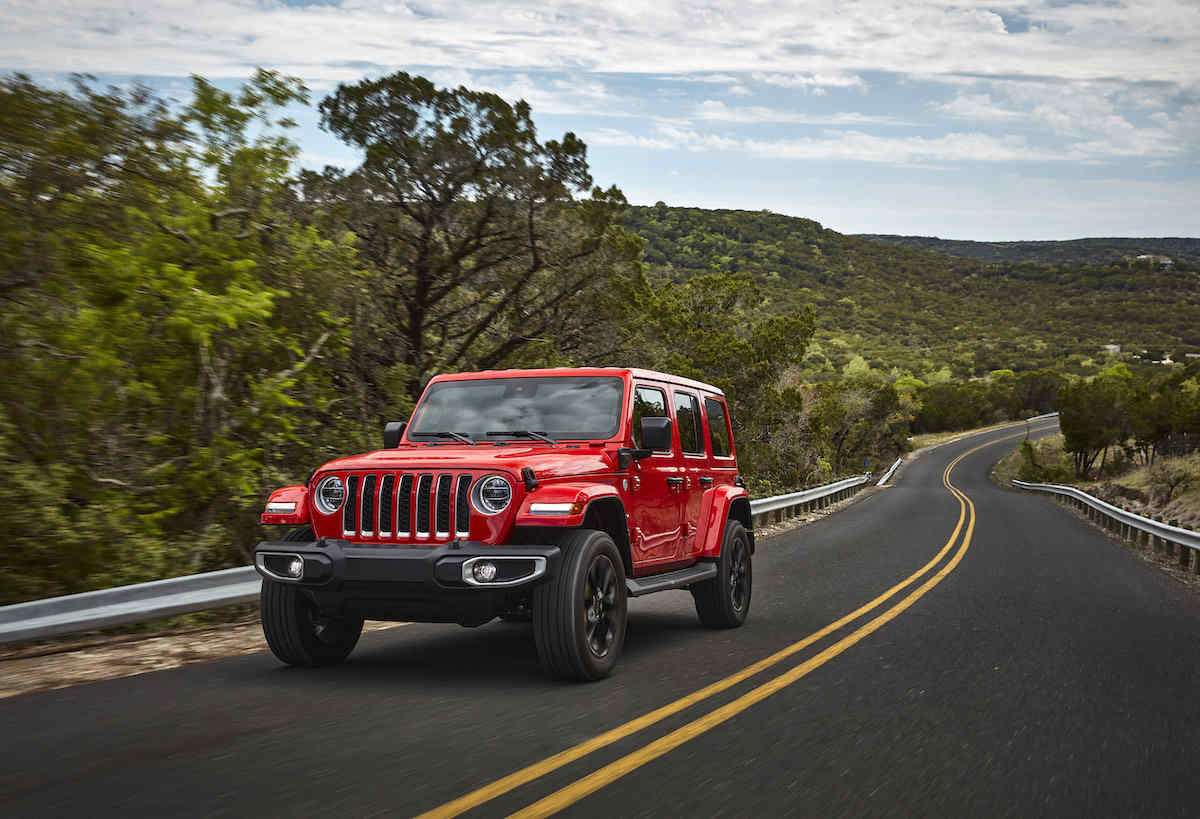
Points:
(1161, 261)
(1112, 349)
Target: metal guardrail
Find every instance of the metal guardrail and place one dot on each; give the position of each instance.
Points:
(1183, 543)
(818, 496)
(887, 476)
(55, 616)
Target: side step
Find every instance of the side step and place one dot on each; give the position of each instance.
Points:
(678, 579)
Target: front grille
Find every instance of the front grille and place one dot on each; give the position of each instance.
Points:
(368, 505)
(462, 506)
(443, 505)
(423, 484)
(386, 506)
(400, 506)
(350, 510)
(404, 507)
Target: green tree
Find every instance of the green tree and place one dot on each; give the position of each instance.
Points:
(485, 239)
(159, 377)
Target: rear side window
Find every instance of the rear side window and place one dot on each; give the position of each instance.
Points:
(687, 415)
(718, 427)
(647, 403)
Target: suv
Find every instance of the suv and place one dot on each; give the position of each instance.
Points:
(550, 495)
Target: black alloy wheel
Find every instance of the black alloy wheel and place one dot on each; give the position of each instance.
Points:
(739, 576)
(579, 615)
(724, 601)
(599, 603)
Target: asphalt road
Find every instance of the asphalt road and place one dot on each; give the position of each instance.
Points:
(1034, 668)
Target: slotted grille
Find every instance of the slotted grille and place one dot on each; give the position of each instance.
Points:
(386, 506)
(443, 505)
(404, 507)
(368, 505)
(424, 483)
(462, 506)
(350, 510)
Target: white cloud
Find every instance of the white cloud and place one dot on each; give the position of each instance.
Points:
(977, 107)
(816, 44)
(859, 146)
(816, 83)
(717, 111)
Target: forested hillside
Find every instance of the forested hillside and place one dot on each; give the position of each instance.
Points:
(922, 311)
(1102, 251)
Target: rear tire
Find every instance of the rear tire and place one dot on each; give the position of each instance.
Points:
(724, 601)
(579, 616)
(295, 629)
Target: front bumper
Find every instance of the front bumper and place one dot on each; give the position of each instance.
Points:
(428, 584)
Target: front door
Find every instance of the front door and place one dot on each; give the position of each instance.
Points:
(657, 487)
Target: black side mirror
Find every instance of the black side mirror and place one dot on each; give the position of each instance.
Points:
(656, 434)
(392, 434)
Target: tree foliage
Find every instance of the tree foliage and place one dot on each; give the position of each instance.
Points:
(1144, 416)
(484, 238)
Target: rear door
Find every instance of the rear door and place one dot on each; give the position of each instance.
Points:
(656, 515)
(694, 465)
(722, 463)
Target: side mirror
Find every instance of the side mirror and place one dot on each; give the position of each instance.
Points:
(656, 434)
(392, 434)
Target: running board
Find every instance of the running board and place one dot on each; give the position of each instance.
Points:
(678, 579)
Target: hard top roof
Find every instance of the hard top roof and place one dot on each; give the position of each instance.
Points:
(620, 372)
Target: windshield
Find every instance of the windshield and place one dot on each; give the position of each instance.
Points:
(498, 409)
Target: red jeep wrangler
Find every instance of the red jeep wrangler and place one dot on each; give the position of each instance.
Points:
(550, 495)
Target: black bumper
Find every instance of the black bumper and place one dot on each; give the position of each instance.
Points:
(409, 582)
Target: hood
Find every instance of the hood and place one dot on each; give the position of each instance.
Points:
(545, 460)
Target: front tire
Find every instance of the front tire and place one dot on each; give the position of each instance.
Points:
(724, 601)
(296, 631)
(579, 616)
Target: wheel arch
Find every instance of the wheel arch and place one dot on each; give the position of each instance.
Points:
(739, 510)
(607, 514)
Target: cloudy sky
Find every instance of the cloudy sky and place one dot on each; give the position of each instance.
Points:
(997, 120)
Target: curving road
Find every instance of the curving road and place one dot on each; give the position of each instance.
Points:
(941, 647)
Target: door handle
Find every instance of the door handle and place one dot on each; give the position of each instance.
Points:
(706, 480)
(675, 482)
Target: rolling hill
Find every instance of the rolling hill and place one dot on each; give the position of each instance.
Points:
(1072, 251)
(919, 310)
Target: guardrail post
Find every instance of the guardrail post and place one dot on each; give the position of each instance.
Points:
(1182, 556)
(1159, 543)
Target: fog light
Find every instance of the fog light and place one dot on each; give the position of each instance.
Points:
(484, 571)
(295, 568)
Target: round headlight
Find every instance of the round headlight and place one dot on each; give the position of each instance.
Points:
(491, 495)
(330, 495)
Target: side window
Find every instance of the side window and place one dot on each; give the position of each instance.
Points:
(718, 427)
(687, 415)
(647, 403)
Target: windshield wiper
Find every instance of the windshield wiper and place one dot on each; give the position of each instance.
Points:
(525, 433)
(458, 436)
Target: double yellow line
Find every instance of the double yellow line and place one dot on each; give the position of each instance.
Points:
(609, 773)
